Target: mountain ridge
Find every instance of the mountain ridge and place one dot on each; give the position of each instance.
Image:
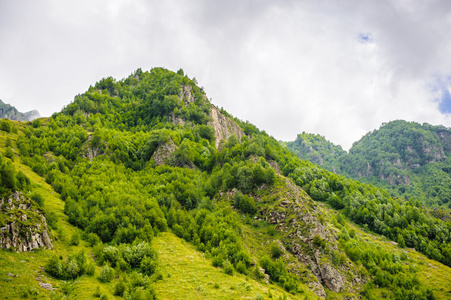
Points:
(132, 159)
(409, 159)
(9, 112)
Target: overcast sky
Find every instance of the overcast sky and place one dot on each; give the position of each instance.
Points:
(337, 68)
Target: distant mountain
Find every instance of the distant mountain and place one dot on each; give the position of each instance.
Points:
(409, 159)
(10, 112)
(318, 150)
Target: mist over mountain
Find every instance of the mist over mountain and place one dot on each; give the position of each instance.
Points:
(10, 112)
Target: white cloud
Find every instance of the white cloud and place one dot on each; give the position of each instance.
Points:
(288, 67)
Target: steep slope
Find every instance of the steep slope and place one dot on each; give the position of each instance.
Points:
(409, 159)
(146, 163)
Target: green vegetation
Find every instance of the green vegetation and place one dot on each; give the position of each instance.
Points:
(408, 159)
(143, 205)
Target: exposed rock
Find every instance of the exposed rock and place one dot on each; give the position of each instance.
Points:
(25, 228)
(445, 138)
(162, 154)
(186, 94)
(46, 286)
(332, 278)
(296, 215)
(224, 126)
(91, 153)
(265, 276)
(32, 115)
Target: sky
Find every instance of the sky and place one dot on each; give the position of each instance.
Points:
(335, 68)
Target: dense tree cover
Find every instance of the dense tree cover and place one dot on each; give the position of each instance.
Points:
(389, 270)
(375, 209)
(99, 155)
(408, 159)
(318, 150)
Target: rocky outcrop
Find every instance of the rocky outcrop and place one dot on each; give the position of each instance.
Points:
(163, 152)
(32, 115)
(224, 126)
(297, 217)
(186, 94)
(24, 227)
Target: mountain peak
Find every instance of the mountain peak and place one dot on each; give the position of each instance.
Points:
(8, 111)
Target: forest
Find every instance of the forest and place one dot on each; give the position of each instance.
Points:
(408, 159)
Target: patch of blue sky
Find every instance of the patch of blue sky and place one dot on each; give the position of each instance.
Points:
(365, 38)
(442, 87)
(445, 101)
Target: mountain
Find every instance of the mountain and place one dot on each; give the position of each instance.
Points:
(318, 150)
(10, 112)
(408, 159)
(151, 192)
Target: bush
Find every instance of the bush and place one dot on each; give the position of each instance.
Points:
(90, 269)
(276, 252)
(119, 288)
(245, 203)
(52, 220)
(228, 267)
(241, 267)
(75, 239)
(106, 274)
(318, 242)
(92, 238)
(72, 267)
(148, 265)
(5, 125)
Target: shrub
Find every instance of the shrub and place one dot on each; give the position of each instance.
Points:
(241, 267)
(228, 267)
(75, 239)
(245, 203)
(119, 288)
(276, 252)
(148, 265)
(318, 242)
(106, 274)
(52, 219)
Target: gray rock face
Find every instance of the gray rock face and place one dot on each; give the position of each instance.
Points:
(25, 228)
(224, 126)
(162, 154)
(32, 115)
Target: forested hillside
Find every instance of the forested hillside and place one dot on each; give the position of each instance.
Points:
(408, 159)
(151, 192)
